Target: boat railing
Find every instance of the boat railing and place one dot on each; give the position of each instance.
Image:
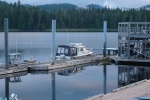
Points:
(90, 49)
(75, 44)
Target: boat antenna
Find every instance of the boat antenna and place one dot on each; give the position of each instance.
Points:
(67, 36)
(16, 42)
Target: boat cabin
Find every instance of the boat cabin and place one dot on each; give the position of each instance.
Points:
(66, 50)
(71, 51)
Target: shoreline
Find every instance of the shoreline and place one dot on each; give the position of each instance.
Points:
(62, 30)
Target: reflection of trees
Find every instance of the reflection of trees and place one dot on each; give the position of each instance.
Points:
(128, 74)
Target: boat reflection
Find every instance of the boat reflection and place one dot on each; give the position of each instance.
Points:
(16, 77)
(124, 75)
(131, 74)
(71, 71)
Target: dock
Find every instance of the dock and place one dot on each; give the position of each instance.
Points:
(45, 66)
(124, 61)
(126, 93)
(66, 63)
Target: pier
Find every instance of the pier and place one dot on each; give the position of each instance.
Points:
(126, 93)
(45, 66)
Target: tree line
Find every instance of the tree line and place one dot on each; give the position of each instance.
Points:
(32, 18)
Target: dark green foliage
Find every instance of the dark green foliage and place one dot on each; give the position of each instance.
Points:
(90, 6)
(35, 18)
(57, 7)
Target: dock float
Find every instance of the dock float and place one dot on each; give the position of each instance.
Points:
(66, 63)
(134, 62)
(126, 93)
(125, 61)
(46, 66)
(12, 70)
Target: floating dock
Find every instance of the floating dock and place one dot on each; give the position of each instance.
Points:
(45, 66)
(67, 63)
(126, 93)
(124, 61)
(12, 70)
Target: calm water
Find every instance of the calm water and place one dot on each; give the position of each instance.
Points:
(72, 84)
(37, 45)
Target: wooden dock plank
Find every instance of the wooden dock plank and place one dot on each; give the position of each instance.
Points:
(126, 93)
(67, 63)
(41, 66)
(125, 61)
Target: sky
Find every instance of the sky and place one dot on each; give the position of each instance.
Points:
(83, 3)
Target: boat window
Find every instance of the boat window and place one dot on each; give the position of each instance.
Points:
(73, 51)
(63, 50)
(66, 51)
(60, 50)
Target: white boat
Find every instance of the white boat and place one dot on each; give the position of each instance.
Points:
(73, 50)
(30, 60)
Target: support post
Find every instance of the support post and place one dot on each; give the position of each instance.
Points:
(105, 38)
(53, 41)
(6, 42)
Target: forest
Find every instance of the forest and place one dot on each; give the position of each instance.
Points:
(32, 18)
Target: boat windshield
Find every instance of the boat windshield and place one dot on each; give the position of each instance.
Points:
(63, 51)
(73, 51)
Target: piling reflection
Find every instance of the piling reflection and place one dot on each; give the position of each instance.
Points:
(131, 74)
(16, 77)
(53, 87)
(105, 79)
(7, 88)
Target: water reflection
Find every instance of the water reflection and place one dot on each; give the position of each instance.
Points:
(75, 83)
(53, 87)
(105, 79)
(7, 88)
(71, 71)
(15, 79)
(7, 94)
(79, 69)
(131, 74)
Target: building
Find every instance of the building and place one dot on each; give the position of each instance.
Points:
(134, 40)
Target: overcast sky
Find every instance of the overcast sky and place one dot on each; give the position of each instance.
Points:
(82, 3)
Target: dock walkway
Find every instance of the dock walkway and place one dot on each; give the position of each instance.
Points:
(42, 66)
(125, 61)
(66, 63)
(126, 93)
